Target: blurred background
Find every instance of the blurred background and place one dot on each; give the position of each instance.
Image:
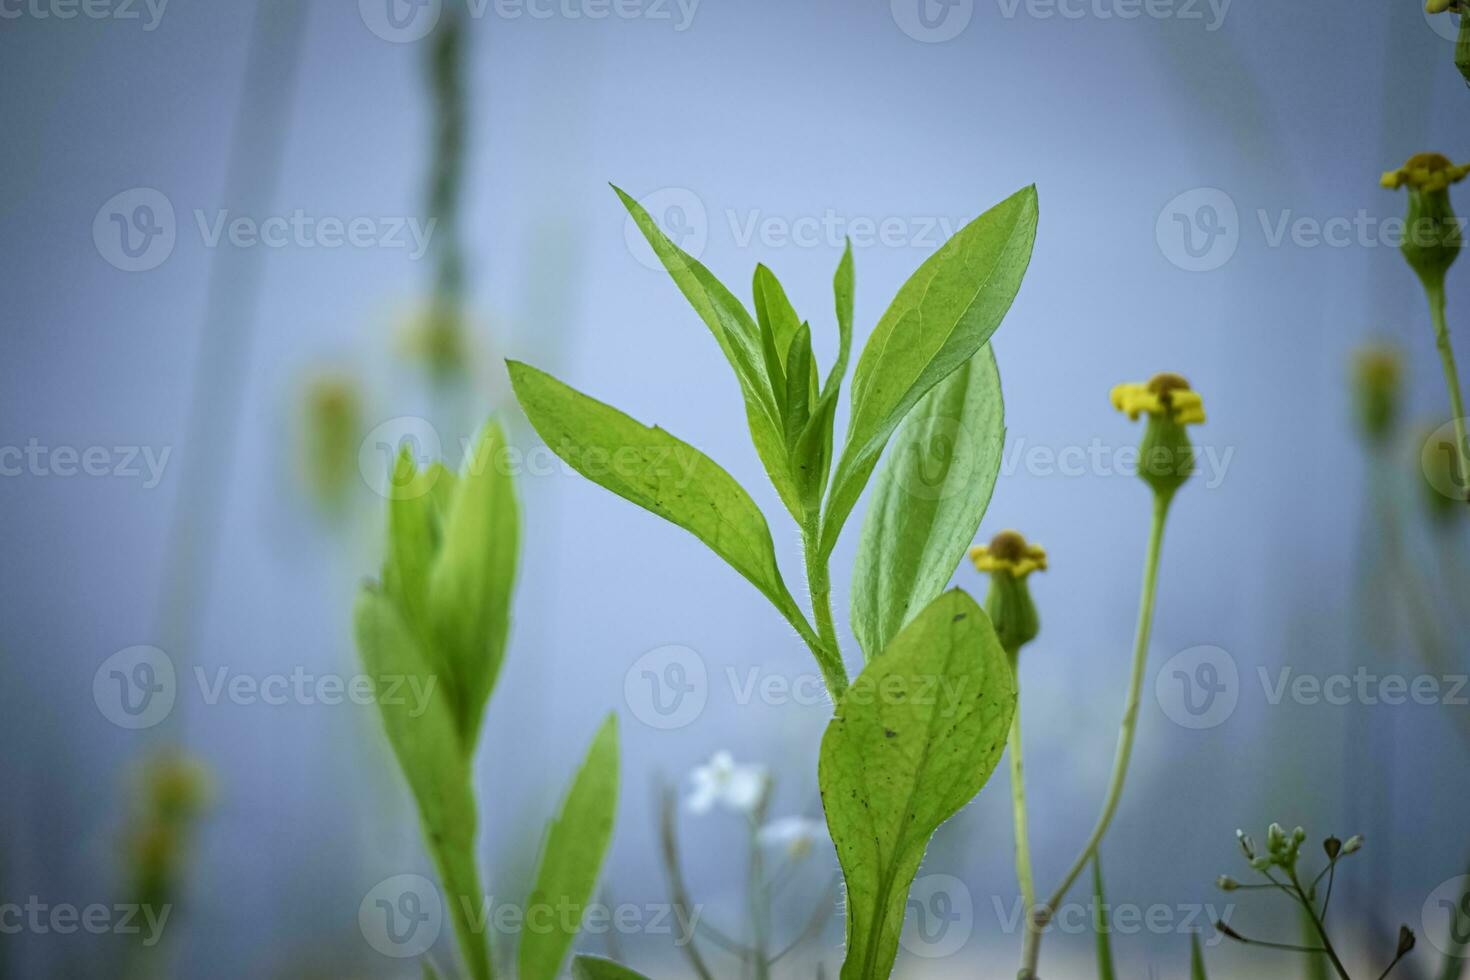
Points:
(250, 248)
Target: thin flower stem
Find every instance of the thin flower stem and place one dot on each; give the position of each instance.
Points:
(1318, 925)
(1435, 292)
(1018, 802)
(1031, 954)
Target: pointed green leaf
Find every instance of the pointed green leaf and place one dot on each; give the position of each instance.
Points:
(739, 337)
(473, 579)
(1102, 926)
(778, 323)
(423, 733)
(801, 385)
(940, 318)
(657, 472)
(1196, 959)
(413, 542)
(928, 501)
(571, 858)
(844, 288)
(911, 742)
(597, 968)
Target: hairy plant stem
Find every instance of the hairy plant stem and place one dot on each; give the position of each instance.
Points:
(1041, 917)
(1435, 292)
(825, 648)
(1024, 877)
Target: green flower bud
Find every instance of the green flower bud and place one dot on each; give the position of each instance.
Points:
(1353, 844)
(1010, 560)
(329, 440)
(1166, 456)
(1377, 372)
(1226, 883)
(1432, 239)
(1275, 838)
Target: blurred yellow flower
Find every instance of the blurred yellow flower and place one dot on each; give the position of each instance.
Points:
(1009, 552)
(1426, 171)
(1164, 396)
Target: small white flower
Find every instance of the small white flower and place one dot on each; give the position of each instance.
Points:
(798, 835)
(721, 781)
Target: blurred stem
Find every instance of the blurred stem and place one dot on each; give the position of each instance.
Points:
(1018, 799)
(1317, 924)
(1435, 292)
(674, 873)
(1031, 953)
(757, 897)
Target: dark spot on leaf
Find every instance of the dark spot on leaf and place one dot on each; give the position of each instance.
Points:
(889, 733)
(958, 617)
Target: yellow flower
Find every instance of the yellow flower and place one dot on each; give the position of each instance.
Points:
(1008, 552)
(1163, 396)
(1440, 6)
(1427, 171)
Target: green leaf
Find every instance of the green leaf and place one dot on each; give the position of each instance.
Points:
(1196, 959)
(576, 843)
(812, 457)
(657, 472)
(940, 318)
(801, 386)
(596, 968)
(473, 578)
(844, 288)
(741, 340)
(778, 324)
(1102, 925)
(911, 742)
(422, 730)
(928, 501)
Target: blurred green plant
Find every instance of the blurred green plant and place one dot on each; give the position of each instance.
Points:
(893, 765)
(1277, 864)
(439, 619)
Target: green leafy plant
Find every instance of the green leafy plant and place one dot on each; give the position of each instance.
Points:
(439, 620)
(897, 759)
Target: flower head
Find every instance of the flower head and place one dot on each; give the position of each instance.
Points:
(735, 787)
(1426, 171)
(1165, 457)
(1432, 238)
(1164, 395)
(1009, 553)
(1010, 560)
(797, 835)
